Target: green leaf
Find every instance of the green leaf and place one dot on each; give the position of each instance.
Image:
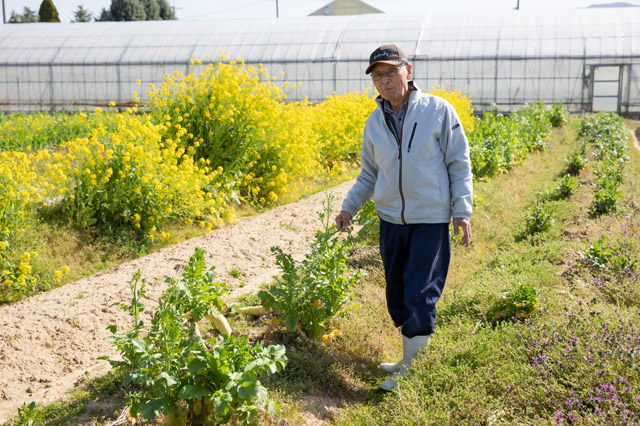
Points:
(247, 390)
(222, 401)
(171, 379)
(197, 365)
(191, 391)
(151, 409)
(139, 344)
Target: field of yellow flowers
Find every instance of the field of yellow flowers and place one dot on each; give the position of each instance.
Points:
(205, 143)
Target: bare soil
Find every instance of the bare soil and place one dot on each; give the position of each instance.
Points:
(50, 342)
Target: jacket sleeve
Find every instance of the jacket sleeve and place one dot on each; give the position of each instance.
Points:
(455, 147)
(362, 191)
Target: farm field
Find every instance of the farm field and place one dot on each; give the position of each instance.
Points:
(536, 325)
(349, 396)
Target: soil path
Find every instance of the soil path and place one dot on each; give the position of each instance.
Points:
(49, 342)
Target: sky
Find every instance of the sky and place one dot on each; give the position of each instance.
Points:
(237, 9)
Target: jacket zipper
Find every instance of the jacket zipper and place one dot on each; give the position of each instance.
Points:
(399, 142)
(413, 132)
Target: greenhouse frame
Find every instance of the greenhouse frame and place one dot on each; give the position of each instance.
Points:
(586, 59)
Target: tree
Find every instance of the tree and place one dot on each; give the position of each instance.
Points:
(81, 15)
(48, 12)
(105, 15)
(166, 11)
(127, 10)
(137, 10)
(151, 9)
(27, 15)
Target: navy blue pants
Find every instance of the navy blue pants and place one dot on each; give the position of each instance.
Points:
(416, 260)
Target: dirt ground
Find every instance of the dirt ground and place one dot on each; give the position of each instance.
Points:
(49, 342)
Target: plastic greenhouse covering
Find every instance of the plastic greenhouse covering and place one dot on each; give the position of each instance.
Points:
(588, 59)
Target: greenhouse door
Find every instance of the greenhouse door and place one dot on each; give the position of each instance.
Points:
(607, 88)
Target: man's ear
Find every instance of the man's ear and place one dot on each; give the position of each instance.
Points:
(409, 72)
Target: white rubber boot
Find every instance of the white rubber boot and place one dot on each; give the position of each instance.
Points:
(393, 367)
(410, 349)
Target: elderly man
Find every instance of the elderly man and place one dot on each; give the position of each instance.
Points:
(415, 165)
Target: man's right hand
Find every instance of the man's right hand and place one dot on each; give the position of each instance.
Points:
(343, 220)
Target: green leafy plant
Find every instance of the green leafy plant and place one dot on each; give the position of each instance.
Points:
(601, 255)
(606, 199)
(558, 115)
(566, 186)
(25, 415)
(369, 221)
(179, 374)
(575, 162)
(308, 295)
(609, 134)
(498, 143)
(539, 218)
(517, 303)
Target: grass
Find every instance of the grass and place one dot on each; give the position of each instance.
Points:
(571, 361)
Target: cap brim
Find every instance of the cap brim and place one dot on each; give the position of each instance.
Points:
(370, 67)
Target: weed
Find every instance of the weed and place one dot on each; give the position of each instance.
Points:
(517, 303)
(235, 272)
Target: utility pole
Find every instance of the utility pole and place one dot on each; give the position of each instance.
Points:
(4, 20)
(277, 16)
(518, 5)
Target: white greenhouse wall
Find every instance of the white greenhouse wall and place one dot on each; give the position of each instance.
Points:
(587, 59)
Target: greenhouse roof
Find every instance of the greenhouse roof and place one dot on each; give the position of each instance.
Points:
(509, 34)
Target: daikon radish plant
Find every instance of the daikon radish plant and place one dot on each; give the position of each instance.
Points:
(308, 295)
(180, 375)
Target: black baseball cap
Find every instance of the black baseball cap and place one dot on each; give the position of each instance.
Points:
(386, 54)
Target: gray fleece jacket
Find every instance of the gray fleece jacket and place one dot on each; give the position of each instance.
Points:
(421, 176)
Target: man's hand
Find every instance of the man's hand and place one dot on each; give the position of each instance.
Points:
(460, 222)
(343, 220)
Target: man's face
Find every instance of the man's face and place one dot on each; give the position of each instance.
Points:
(392, 81)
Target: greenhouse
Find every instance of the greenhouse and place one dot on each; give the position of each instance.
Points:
(587, 59)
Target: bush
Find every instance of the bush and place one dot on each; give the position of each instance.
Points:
(338, 125)
(234, 117)
(130, 183)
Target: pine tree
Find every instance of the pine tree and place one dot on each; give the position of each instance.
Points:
(105, 15)
(26, 16)
(127, 10)
(81, 15)
(48, 12)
